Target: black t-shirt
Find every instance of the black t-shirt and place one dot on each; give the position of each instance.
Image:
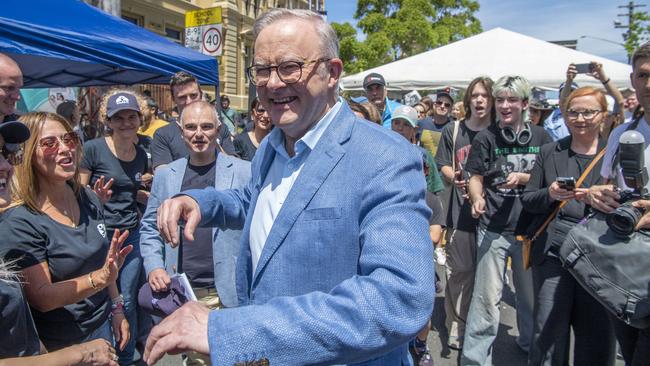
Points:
(459, 214)
(34, 238)
(196, 256)
(244, 146)
(168, 144)
(490, 154)
(18, 336)
(121, 209)
(145, 142)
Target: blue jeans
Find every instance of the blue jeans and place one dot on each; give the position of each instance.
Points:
(105, 331)
(129, 282)
(483, 318)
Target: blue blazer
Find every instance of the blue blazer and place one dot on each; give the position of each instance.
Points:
(230, 172)
(346, 275)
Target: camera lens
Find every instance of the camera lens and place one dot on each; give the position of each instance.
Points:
(624, 219)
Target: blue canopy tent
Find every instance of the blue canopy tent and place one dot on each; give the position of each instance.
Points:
(69, 43)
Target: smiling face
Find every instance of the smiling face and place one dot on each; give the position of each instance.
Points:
(125, 124)
(55, 155)
(510, 108)
(200, 129)
(6, 172)
(261, 118)
(442, 106)
(296, 107)
(11, 80)
(576, 121)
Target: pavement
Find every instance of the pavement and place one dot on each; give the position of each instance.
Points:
(506, 351)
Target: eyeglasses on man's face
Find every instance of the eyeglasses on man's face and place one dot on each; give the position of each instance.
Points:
(441, 103)
(289, 72)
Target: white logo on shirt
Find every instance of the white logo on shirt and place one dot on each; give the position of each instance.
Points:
(122, 100)
(102, 230)
(138, 177)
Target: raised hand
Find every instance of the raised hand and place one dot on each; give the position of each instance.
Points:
(103, 190)
(171, 211)
(114, 259)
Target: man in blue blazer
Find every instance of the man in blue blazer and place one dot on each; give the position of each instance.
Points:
(336, 263)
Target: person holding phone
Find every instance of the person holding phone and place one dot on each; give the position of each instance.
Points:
(561, 304)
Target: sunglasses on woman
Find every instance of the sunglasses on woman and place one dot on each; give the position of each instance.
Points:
(51, 144)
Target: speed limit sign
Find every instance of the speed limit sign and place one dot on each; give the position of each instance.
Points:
(212, 40)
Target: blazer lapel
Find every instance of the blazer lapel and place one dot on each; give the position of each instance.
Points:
(321, 161)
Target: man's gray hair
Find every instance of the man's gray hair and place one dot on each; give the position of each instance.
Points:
(200, 105)
(329, 40)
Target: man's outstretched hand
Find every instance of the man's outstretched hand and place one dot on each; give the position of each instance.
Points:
(171, 211)
(185, 330)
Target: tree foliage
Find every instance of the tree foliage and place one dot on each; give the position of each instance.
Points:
(395, 29)
(639, 32)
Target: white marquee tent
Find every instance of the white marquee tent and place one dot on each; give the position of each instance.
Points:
(494, 53)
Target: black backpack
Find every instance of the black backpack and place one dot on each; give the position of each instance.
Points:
(615, 270)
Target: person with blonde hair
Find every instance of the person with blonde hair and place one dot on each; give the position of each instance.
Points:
(55, 232)
(499, 162)
(19, 343)
(115, 166)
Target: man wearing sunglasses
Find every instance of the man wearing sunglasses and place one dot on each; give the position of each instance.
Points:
(375, 87)
(11, 80)
(335, 260)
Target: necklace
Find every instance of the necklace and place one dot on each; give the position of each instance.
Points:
(68, 211)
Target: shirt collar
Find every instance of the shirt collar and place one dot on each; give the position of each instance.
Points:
(311, 137)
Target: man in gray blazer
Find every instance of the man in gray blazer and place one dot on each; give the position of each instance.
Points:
(209, 260)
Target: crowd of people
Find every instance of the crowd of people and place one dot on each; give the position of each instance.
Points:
(308, 232)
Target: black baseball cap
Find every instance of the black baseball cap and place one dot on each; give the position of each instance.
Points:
(14, 132)
(443, 93)
(121, 101)
(372, 79)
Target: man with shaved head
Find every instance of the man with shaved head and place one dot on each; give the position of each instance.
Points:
(207, 260)
(11, 80)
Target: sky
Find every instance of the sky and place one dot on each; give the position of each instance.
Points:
(549, 20)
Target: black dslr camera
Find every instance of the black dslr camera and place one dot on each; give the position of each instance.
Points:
(631, 157)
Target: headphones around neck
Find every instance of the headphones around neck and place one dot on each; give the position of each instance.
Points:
(511, 137)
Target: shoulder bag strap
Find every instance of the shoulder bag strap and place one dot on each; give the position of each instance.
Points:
(563, 203)
(453, 146)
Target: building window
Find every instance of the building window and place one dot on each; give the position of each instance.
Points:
(174, 34)
(133, 18)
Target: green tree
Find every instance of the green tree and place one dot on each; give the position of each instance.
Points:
(638, 32)
(396, 29)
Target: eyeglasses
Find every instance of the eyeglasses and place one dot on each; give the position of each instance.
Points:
(447, 105)
(13, 153)
(50, 144)
(586, 114)
(289, 72)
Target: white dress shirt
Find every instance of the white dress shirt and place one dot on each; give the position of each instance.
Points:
(282, 174)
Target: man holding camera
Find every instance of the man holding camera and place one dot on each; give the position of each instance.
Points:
(635, 343)
(498, 178)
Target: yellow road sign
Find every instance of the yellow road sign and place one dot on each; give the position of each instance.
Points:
(203, 17)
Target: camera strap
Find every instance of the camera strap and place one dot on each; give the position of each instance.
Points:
(529, 241)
